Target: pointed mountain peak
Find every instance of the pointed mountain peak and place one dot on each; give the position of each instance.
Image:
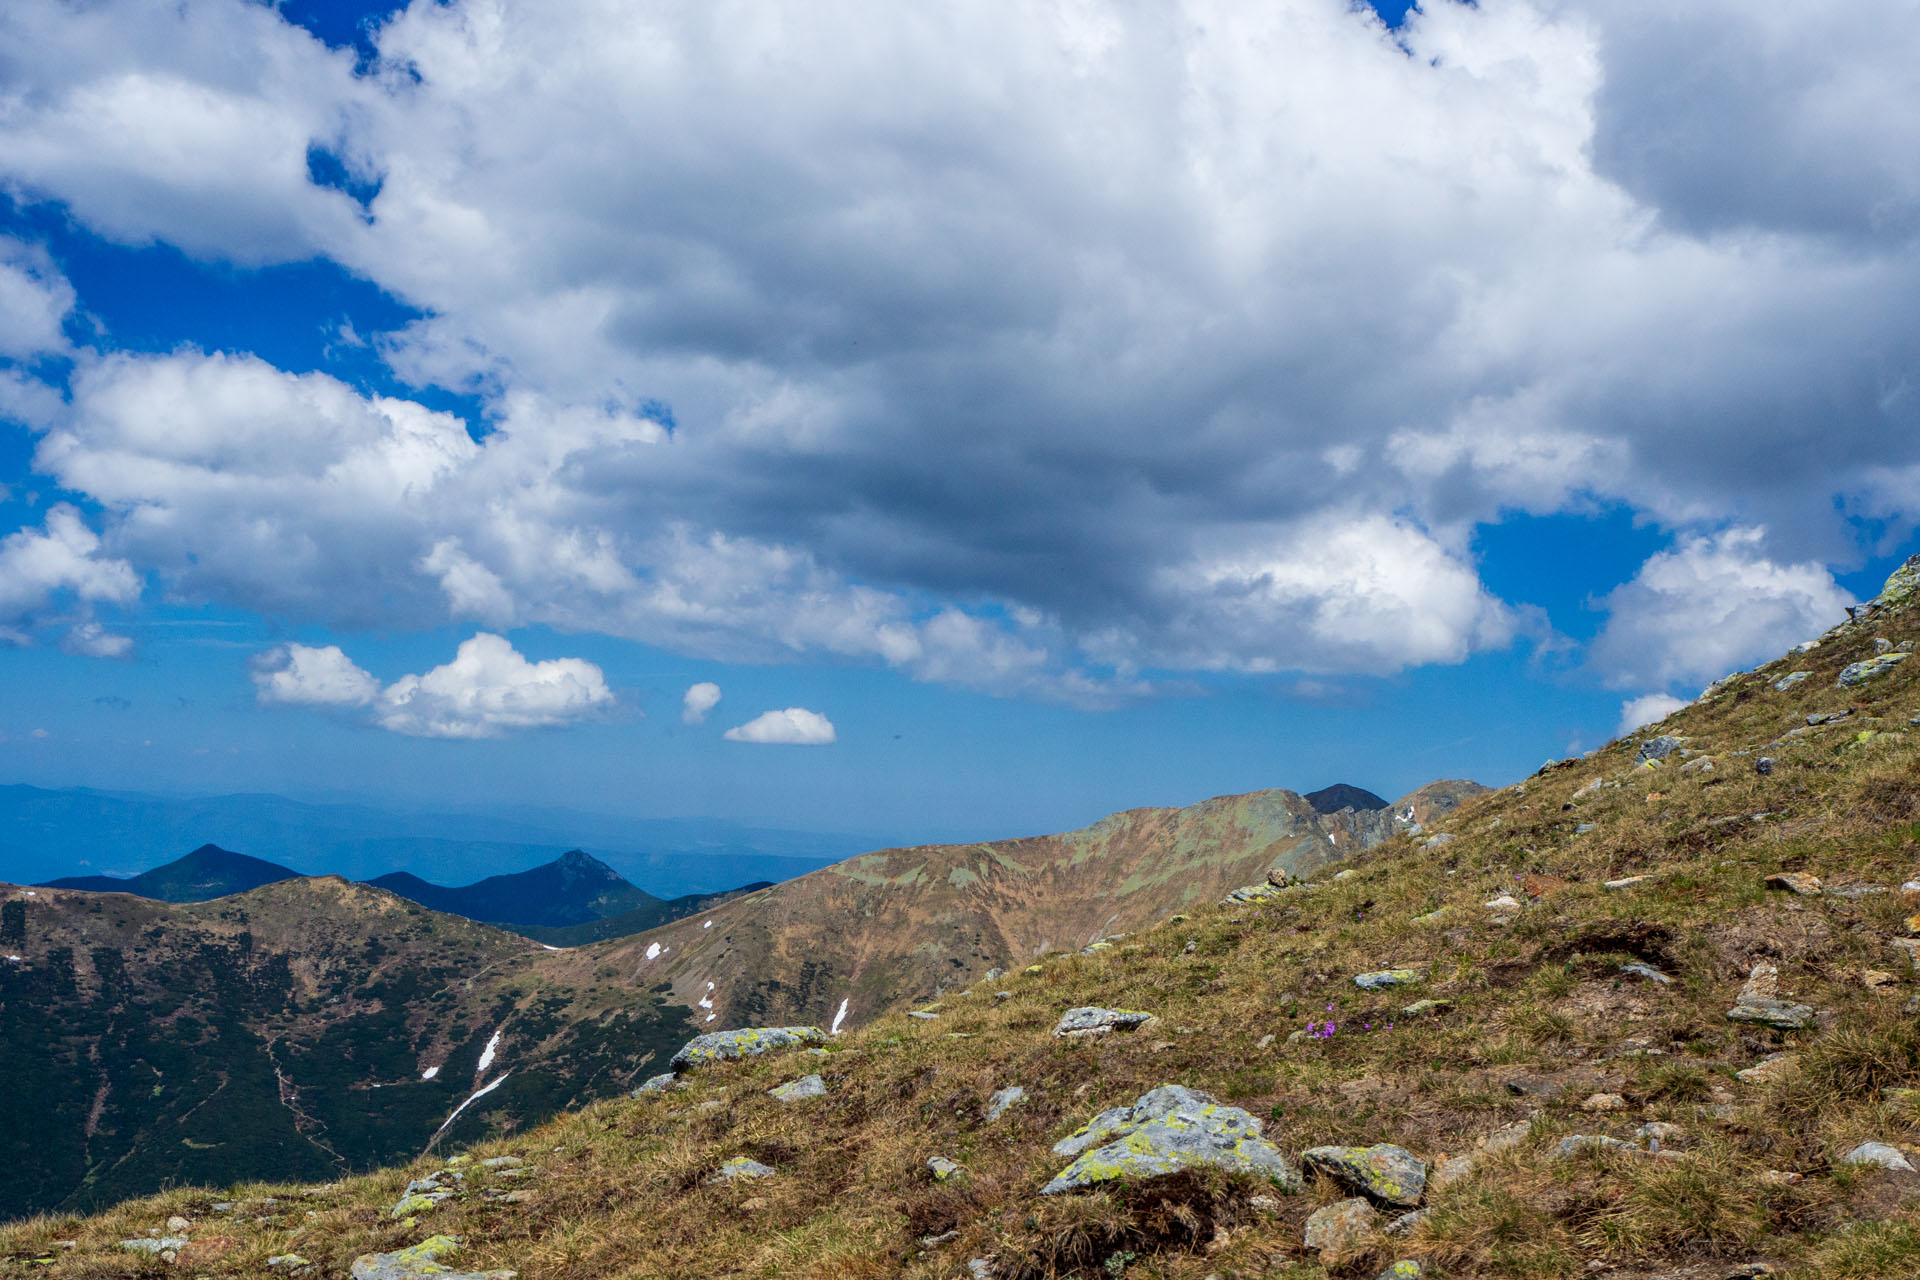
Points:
(1342, 795)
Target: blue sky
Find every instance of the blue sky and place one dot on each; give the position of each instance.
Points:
(1059, 408)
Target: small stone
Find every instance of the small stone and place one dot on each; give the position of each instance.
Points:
(419, 1261)
(800, 1090)
(502, 1162)
(1575, 1144)
(1406, 1222)
(1449, 1170)
(1380, 979)
(1763, 983)
(1879, 980)
(1002, 995)
(738, 1169)
(1506, 902)
(1625, 882)
(1265, 1206)
(923, 1015)
(177, 1225)
(1420, 1008)
(661, 1083)
(1089, 1020)
(1763, 766)
(1777, 1014)
(1789, 680)
(1658, 748)
(979, 1269)
(1405, 1269)
(1506, 1137)
(1795, 882)
(1604, 1102)
(154, 1244)
(1909, 947)
(1386, 1173)
(1537, 886)
(286, 1262)
(1781, 1178)
(1641, 969)
(1661, 1132)
(1878, 1155)
(1003, 1100)
(943, 1169)
(1340, 1229)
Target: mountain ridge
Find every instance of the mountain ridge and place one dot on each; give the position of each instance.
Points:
(206, 873)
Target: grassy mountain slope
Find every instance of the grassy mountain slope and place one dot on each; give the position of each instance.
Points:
(905, 924)
(282, 1032)
(207, 873)
(654, 914)
(572, 889)
(1538, 1033)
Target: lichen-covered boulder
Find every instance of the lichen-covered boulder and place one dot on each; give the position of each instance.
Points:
(800, 1090)
(1867, 668)
(748, 1042)
(1384, 1173)
(419, 1262)
(1002, 1100)
(154, 1244)
(1165, 1131)
(1659, 748)
(1902, 588)
(1380, 979)
(1090, 1021)
(1789, 680)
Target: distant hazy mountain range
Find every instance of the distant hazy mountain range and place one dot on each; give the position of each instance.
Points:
(576, 898)
(49, 833)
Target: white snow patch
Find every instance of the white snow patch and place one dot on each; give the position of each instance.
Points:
(549, 946)
(838, 1018)
(14, 959)
(430, 1073)
(32, 894)
(707, 925)
(653, 951)
(706, 1002)
(486, 1056)
(477, 1094)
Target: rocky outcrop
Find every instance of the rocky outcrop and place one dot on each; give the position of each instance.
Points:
(1385, 1173)
(749, 1042)
(1165, 1131)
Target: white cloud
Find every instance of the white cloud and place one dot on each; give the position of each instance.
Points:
(1638, 713)
(91, 640)
(34, 302)
(488, 689)
(1715, 603)
(795, 726)
(59, 562)
(1022, 347)
(314, 676)
(698, 700)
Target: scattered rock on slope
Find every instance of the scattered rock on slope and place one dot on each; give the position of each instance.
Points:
(749, 1042)
(1090, 1021)
(1759, 1002)
(1165, 1131)
(1385, 1173)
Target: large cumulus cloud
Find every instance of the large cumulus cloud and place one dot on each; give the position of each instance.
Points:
(1024, 346)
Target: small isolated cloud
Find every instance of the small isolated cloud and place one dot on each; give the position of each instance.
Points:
(796, 726)
(91, 640)
(488, 689)
(40, 734)
(1638, 713)
(1711, 605)
(698, 700)
(113, 702)
(300, 675)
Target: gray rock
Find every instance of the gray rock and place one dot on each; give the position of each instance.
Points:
(1857, 673)
(502, 1162)
(1789, 680)
(979, 1269)
(1585, 827)
(799, 1090)
(1640, 968)
(943, 1169)
(1879, 1155)
(1778, 1014)
(154, 1244)
(418, 1202)
(1658, 748)
(923, 1015)
(1380, 979)
(749, 1042)
(1002, 1100)
(1763, 766)
(421, 1261)
(1449, 1170)
(1384, 1173)
(1578, 1143)
(1405, 1269)
(1091, 1021)
(738, 1169)
(1339, 1228)
(1165, 1131)
(657, 1084)
(1819, 718)
(286, 1262)
(1406, 1222)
